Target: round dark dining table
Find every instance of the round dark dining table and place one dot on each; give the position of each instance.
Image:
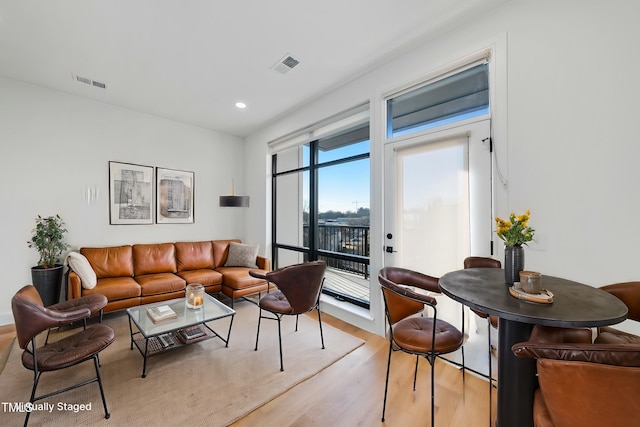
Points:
(574, 305)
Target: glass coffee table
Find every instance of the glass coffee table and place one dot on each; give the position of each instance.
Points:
(189, 326)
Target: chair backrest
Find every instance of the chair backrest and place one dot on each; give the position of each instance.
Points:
(301, 284)
(28, 310)
(401, 302)
(481, 262)
(629, 294)
(587, 394)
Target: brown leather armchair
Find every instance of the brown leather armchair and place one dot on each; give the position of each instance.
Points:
(32, 318)
(299, 287)
(629, 294)
(582, 384)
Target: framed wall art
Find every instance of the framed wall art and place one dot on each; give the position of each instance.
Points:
(130, 193)
(174, 196)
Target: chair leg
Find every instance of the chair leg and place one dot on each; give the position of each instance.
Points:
(415, 373)
(320, 323)
(462, 349)
(36, 378)
(104, 400)
(258, 333)
(386, 382)
(432, 361)
(280, 341)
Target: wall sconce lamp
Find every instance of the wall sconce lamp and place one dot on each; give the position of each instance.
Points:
(233, 200)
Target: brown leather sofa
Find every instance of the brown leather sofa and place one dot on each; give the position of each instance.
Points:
(131, 275)
(583, 384)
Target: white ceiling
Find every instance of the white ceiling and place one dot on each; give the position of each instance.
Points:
(191, 60)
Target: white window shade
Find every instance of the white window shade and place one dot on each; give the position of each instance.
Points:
(456, 96)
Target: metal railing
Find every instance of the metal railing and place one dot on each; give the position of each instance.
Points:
(343, 247)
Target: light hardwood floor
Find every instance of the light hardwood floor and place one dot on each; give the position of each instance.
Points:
(7, 336)
(349, 392)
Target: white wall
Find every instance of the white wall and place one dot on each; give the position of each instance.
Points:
(564, 122)
(53, 146)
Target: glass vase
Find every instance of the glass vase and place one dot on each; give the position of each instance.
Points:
(513, 263)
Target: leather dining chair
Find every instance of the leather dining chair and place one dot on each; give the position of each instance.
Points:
(299, 287)
(32, 318)
(629, 294)
(428, 337)
(580, 383)
(492, 321)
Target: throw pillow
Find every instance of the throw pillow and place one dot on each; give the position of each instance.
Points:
(241, 255)
(81, 266)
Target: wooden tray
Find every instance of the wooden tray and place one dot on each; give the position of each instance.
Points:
(544, 297)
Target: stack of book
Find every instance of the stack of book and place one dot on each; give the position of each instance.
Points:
(190, 334)
(161, 313)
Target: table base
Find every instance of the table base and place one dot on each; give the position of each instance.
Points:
(522, 377)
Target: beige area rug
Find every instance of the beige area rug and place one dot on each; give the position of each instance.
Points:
(203, 384)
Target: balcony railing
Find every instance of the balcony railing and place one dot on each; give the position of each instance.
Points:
(346, 249)
(348, 246)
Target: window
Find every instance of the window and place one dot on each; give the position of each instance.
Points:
(321, 206)
(455, 97)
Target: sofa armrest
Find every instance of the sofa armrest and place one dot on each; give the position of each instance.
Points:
(263, 263)
(74, 286)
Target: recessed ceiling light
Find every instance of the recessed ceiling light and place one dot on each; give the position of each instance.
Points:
(241, 105)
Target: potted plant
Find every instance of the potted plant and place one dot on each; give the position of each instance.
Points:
(515, 233)
(48, 239)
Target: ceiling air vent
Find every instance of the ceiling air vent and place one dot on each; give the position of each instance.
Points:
(89, 82)
(286, 64)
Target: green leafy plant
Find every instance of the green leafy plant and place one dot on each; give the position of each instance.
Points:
(48, 239)
(515, 232)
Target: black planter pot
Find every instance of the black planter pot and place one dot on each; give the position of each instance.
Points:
(48, 282)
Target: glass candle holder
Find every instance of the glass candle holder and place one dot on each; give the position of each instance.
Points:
(195, 295)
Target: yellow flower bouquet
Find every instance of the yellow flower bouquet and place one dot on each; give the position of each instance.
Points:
(515, 232)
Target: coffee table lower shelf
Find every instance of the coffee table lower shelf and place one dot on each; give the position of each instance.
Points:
(152, 346)
(155, 345)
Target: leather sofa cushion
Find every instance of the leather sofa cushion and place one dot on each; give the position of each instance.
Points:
(115, 288)
(154, 258)
(204, 277)
(194, 255)
(237, 278)
(110, 262)
(160, 283)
